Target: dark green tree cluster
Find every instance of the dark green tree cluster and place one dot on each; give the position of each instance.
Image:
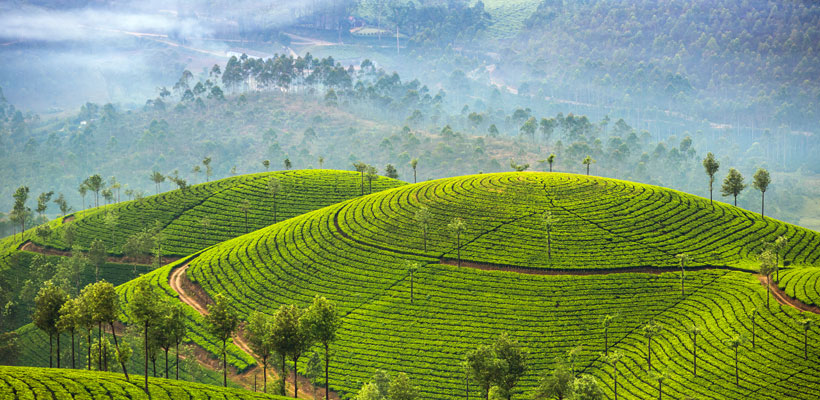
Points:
(498, 366)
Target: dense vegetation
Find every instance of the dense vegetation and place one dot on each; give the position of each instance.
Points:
(39, 383)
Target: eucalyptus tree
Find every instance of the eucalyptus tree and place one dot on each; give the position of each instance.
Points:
(62, 204)
(587, 161)
(287, 164)
(157, 178)
(551, 160)
(423, 218)
(20, 213)
(650, 330)
(371, 174)
(779, 245)
(47, 304)
(321, 162)
(360, 168)
(97, 255)
(95, 184)
(177, 325)
(274, 187)
(260, 340)
(289, 336)
(412, 268)
(606, 321)
(733, 184)
(549, 222)
(659, 376)
(512, 363)
(222, 321)
(244, 207)
(693, 332)
(761, 181)
(414, 164)
(767, 266)
(613, 360)
(145, 310)
(323, 321)
(113, 184)
(266, 164)
(683, 258)
(481, 367)
(457, 227)
(69, 322)
(806, 324)
(735, 343)
(196, 170)
(42, 203)
(208, 170)
(105, 306)
(711, 165)
(83, 189)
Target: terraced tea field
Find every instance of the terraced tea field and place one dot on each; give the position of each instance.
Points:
(43, 383)
(613, 253)
(355, 254)
(802, 284)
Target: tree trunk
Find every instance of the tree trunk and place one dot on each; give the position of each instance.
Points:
(117, 345)
(224, 364)
(587, 169)
(735, 200)
(414, 176)
(88, 339)
(762, 204)
(73, 363)
(265, 374)
(99, 348)
(50, 350)
(282, 375)
(295, 378)
(710, 192)
(177, 362)
(327, 367)
(58, 350)
(145, 347)
(166, 362)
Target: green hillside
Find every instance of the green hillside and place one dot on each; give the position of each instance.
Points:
(355, 254)
(802, 284)
(42, 383)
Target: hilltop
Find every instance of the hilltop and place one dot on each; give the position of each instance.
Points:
(614, 252)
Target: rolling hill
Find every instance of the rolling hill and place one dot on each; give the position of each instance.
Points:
(614, 248)
(41, 383)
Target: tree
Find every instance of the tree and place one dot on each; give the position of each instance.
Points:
(587, 161)
(779, 245)
(457, 227)
(323, 321)
(62, 204)
(806, 324)
(550, 160)
(606, 321)
(208, 170)
(529, 127)
(371, 174)
(735, 343)
(287, 163)
(105, 307)
(20, 212)
(660, 377)
(481, 366)
(274, 187)
(683, 258)
(761, 182)
(650, 330)
(711, 165)
(423, 217)
(221, 321)
(519, 167)
(586, 387)
(412, 267)
(733, 184)
(83, 189)
(286, 334)
(549, 222)
(144, 310)
(85, 320)
(42, 203)
(390, 171)
(693, 333)
(177, 327)
(321, 162)
(361, 168)
(401, 388)
(557, 384)
(47, 305)
(512, 362)
(414, 164)
(244, 207)
(261, 342)
(266, 164)
(767, 265)
(95, 184)
(69, 321)
(613, 360)
(157, 178)
(97, 255)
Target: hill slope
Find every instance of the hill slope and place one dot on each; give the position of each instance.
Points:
(355, 253)
(41, 383)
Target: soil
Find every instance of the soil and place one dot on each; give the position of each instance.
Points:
(193, 295)
(787, 300)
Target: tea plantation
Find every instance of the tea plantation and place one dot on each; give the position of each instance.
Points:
(43, 383)
(613, 252)
(356, 255)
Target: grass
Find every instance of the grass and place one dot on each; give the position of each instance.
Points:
(355, 254)
(40, 383)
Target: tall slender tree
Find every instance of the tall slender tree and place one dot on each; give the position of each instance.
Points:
(144, 310)
(767, 263)
(178, 328)
(733, 184)
(779, 245)
(606, 321)
(20, 212)
(208, 170)
(587, 161)
(105, 307)
(761, 181)
(423, 218)
(274, 187)
(414, 163)
(47, 304)
(693, 333)
(95, 184)
(258, 331)
(83, 190)
(806, 324)
(361, 168)
(157, 178)
(323, 322)
(551, 160)
(42, 203)
(69, 321)
(222, 321)
(650, 331)
(457, 227)
(735, 343)
(549, 222)
(660, 376)
(711, 165)
(613, 360)
(244, 207)
(754, 312)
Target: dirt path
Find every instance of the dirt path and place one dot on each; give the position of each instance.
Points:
(787, 300)
(28, 245)
(192, 295)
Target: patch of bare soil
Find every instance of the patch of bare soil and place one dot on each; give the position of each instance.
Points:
(787, 300)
